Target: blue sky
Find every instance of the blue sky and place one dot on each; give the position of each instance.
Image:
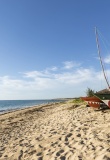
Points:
(48, 48)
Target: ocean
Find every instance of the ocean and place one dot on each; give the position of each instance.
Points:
(9, 105)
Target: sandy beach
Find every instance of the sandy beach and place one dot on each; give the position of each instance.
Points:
(61, 131)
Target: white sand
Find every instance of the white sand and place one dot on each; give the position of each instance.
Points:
(56, 132)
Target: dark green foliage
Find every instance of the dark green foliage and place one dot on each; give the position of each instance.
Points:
(89, 92)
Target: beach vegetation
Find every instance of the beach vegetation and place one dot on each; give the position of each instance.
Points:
(77, 101)
(89, 92)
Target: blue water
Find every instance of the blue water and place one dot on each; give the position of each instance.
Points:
(8, 105)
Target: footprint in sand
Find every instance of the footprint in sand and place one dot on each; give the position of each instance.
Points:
(59, 152)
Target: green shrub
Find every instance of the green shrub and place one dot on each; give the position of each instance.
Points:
(89, 92)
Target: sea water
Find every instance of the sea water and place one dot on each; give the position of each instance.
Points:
(8, 105)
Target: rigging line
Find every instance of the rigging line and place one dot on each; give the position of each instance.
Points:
(106, 49)
(104, 39)
(97, 41)
(105, 42)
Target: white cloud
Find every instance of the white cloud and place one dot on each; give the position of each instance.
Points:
(107, 59)
(53, 68)
(70, 64)
(51, 84)
(33, 74)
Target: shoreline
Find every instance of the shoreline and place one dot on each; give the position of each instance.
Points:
(5, 111)
(29, 108)
(55, 131)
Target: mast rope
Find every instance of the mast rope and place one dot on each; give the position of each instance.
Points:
(106, 44)
(98, 47)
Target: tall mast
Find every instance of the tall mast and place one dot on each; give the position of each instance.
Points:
(98, 47)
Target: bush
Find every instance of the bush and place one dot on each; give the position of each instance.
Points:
(89, 92)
